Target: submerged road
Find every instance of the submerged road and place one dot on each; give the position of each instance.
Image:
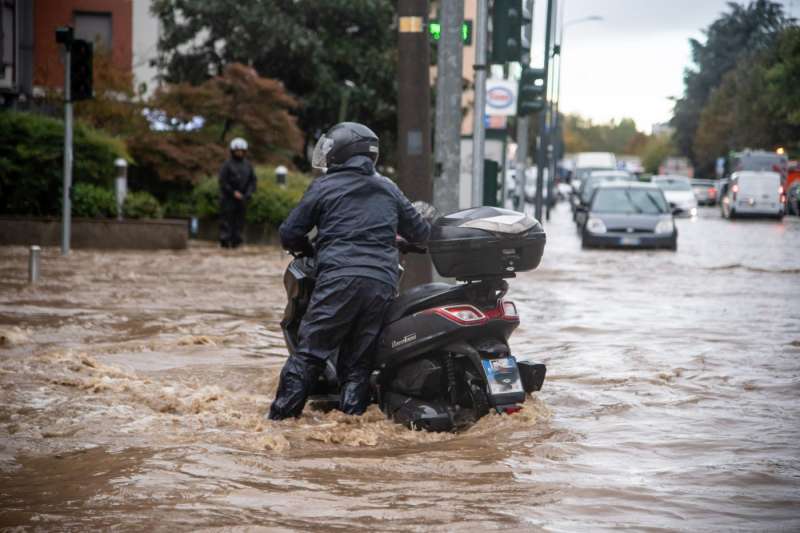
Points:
(132, 389)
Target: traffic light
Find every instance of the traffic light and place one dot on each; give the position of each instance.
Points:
(526, 32)
(506, 31)
(80, 70)
(530, 96)
(435, 29)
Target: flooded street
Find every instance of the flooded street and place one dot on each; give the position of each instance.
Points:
(134, 387)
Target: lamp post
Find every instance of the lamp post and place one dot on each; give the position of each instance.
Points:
(560, 48)
(556, 102)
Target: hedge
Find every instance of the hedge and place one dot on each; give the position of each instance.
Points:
(31, 161)
(270, 203)
(93, 201)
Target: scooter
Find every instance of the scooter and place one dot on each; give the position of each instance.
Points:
(443, 360)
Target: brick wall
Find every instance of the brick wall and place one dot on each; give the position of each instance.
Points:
(50, 14)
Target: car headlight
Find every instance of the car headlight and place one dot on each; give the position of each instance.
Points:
(595, 225)
(665, 226)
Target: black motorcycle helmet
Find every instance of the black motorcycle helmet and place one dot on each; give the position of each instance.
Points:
(342, 142)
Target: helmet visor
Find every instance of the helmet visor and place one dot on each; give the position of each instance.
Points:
(319, 159)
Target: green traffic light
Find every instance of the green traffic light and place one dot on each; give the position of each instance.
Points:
(435, 30)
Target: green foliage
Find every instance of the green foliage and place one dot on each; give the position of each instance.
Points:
(582, 135)
(309, 45)
(31, 161)
(93, 201)
(742, 31)
(141, 204)
(178, 207)
(783, 78)
(270, 203)
(206, 198)
(753, 106)
(655, 151)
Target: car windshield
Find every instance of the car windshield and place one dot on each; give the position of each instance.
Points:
(673, 185)
(595, 181)
(630, 201)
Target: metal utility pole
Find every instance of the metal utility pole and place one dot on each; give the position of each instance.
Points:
(479, 127)
(552, 126)
(447, 154)
(522, 132)
(544, 141)
(413, 122)
(64, 36)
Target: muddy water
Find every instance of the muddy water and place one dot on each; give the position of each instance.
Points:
(134, 384)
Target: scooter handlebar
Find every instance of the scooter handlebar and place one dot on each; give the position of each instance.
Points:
(406, 247)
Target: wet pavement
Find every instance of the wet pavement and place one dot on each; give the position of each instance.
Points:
(134, 385)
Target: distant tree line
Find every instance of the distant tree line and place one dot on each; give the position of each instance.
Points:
(620, 137)
(743, 89)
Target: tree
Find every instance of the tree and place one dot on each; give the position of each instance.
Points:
(312, 46)
(657, 149)
(581, 135)
(239, 102)
(738, 33)
(755, 105)
(783, 77)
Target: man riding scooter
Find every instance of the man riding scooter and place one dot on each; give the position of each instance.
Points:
(358, 213)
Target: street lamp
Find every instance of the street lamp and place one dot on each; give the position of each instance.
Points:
(559, 47)
(556, 97)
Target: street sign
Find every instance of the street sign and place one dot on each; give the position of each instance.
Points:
(501, 97)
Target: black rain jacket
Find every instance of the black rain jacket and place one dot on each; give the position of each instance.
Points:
(357, 213)
(237, 175)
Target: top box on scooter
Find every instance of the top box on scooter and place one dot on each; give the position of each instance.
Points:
(485, 242)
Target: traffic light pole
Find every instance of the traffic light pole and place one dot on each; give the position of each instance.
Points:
(413, 119)
(523, 122)
(544, 141)
(66, 211)
(552, 131)
(479, 127)
(448, 107)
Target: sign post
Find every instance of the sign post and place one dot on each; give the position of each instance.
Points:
(64, 36)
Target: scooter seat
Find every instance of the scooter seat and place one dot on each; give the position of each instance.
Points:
(421, 297)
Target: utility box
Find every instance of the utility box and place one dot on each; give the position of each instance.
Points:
(491, 171)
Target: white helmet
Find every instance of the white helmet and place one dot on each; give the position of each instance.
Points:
(238, 144)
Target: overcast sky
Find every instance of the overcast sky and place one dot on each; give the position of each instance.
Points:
(630, 63)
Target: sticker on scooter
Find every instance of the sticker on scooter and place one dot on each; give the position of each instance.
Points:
(411, 337)
(502, 375)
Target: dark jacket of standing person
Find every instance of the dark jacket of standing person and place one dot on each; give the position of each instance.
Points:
(237, 183)
(358, 214)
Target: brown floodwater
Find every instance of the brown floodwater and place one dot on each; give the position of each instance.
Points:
(134, 386)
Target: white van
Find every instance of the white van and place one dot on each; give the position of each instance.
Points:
(751, 192)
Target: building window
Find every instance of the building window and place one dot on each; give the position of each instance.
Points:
(8, 38)
(94, 27)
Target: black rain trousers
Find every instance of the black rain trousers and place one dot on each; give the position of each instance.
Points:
(344, 317)
(231, 221)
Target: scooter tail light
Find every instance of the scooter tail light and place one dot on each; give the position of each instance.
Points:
(510, 310)
(461, 314)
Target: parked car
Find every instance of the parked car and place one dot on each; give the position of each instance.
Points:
(755, 193)
(581, 201)
(705, 191)
(679, 194)
(629, 215)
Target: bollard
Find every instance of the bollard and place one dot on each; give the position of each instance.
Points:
(121, 184)
(33, 264)
(280, 175)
